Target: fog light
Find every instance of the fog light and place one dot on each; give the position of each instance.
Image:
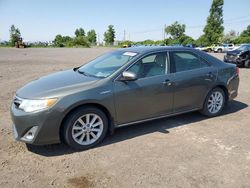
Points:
(29, 136)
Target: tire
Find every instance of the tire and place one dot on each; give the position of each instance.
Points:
(247, 63)
(85, 128)
(219, 50)
(214, 108)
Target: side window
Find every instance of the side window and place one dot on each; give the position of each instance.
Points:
(149, 59)
(187, 61)
(151, 65)
(203, 63)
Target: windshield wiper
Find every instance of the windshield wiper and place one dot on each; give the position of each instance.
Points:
(82, 72)
(87, 74)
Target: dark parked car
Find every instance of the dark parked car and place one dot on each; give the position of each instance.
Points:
(190, 45)
(80, 106)
(239, 56)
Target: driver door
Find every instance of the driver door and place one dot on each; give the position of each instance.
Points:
(151, 95)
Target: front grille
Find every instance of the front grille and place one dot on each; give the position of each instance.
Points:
(17, 101)
(231, 57)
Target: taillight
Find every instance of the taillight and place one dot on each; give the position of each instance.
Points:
(237, 71)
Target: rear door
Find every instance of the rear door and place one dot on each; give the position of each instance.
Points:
(194, 77)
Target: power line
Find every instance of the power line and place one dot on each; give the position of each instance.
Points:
(227, 21)
(235, 21)
(237, 18)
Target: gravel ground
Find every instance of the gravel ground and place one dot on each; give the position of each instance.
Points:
(183, 151)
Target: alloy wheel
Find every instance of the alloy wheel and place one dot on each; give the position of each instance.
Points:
(215, 102)
(87, 129)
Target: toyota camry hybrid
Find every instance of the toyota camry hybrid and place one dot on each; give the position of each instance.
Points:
(127, 86)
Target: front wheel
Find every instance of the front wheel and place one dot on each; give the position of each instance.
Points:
(85, 128)
(214, 103)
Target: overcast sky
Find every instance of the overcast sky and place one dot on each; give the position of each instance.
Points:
(42, 20)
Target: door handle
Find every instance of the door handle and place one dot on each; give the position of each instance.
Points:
(210, 74)
(167, 82)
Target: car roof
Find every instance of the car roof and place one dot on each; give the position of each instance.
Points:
(147, 49)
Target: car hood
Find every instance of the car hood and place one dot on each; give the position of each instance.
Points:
(234, 52)
(56, 85)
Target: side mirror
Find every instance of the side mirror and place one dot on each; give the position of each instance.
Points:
(128, 76)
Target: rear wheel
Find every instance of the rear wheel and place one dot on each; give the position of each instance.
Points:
(214, 103)
(220, 50)
(85, 128)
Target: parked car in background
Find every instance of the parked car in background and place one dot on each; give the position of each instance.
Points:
(126, 45)
(223, 48)
(239, 56)
(205, 48)
(190, 45)
(177, 45)
(201, 48)
(81, 105)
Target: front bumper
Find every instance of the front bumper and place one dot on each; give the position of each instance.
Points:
(233, 86)
(47, 122)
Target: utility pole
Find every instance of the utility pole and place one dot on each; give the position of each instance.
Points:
(124, 35)
(164, 33)
(98, 39)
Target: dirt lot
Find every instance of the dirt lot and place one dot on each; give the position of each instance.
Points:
(184, 151)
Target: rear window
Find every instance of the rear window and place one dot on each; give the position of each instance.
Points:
(187, 61)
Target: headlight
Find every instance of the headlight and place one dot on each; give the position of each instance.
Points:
(36, 105)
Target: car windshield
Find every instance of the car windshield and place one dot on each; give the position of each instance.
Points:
(103, 66)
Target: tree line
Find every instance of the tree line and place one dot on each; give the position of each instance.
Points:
(81, 39)
(213, 33)
(85, 40)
